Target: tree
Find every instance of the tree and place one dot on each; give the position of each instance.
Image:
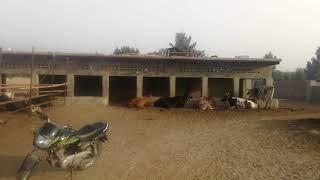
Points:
(269, 55)
(277, 75)
(313, 67)
(183, 43)
(126, 50)
(299, 74)
(287, 76)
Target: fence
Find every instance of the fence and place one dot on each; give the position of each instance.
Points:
(25, 95)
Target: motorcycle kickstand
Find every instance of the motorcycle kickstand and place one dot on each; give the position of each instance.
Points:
(71, 173)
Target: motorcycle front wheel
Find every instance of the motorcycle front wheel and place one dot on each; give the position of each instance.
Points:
(30, 161)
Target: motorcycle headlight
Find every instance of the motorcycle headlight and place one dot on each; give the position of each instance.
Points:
(42, 142)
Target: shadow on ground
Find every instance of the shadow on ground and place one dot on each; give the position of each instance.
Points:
(305, 130)
(10, 164)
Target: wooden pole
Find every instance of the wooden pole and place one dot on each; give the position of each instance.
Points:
(52, 75)
(65, 87)
(1, 68)
(0, 55)
(65, 94)
(31, 78)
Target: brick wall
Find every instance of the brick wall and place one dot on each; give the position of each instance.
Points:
(290, 89)
(315, 93)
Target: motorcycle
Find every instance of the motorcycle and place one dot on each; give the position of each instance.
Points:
(64, 147)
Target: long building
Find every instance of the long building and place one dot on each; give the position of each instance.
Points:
(118, 78)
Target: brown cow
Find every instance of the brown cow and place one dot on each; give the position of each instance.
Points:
(141, 102)
(204, 104)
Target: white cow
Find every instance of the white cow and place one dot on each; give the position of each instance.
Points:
(7, 96)
(239, 103)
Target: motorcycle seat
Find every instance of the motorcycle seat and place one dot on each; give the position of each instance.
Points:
(91, 131)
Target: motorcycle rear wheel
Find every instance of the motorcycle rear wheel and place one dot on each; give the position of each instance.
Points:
(86, 163)
(90, 161)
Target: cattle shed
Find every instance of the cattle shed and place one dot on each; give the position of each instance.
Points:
(119, 78)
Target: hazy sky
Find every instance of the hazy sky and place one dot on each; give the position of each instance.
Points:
(289, 28)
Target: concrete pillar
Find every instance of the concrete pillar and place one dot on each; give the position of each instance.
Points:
(269, 81)
(3, 80)
(139, 86)
(236, 81)
(172, 86)
(247, 84)
(70, 85)
(205, 86)
(105, 88)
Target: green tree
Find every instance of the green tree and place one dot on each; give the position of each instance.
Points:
(183, 43)
(125, 50)
(277, 75)
(299, 74)
(313, 67)
(287, 75)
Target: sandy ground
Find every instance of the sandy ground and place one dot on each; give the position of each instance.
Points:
(181, 144)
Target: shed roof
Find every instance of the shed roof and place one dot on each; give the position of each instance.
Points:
(145, 57)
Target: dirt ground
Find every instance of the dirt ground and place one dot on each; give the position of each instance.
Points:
(181, 143)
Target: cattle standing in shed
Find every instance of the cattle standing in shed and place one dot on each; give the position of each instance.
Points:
(262, 93)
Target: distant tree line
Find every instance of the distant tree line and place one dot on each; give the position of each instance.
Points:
(298, 74)
(310, 72)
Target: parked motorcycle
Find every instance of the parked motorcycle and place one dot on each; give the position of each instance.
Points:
(64, 147)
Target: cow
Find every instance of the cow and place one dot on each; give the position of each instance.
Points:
(8, 96)
(239, 103)
(262, 93)
(172, 102)
(249, 104)
(141, 102)
(204, 104)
